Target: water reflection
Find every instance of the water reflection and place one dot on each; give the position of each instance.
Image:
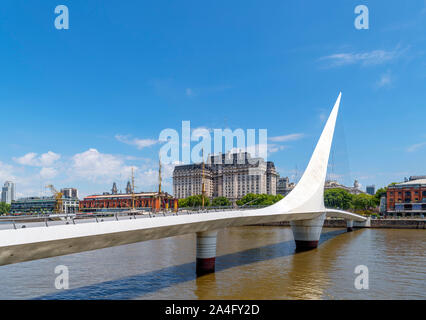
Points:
(206, 286)
(252, 263)
(259, 277)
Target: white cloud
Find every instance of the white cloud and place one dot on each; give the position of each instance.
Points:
(288, 137)
(189, 92)
(47, 159)
(334, 176)
(194, 92)
(6, 172)
(138, 143)
(385, 80)
(259, 150)
(27, 182)
(90, 171)
(374, 57)
(93, 165)
(48, 173)
(28, 160)
(272, 148)
(44, 160)
(416, 147)
(322, 116)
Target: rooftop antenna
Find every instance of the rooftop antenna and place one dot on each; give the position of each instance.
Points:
(120, 181)
(330, 173)
(159, 174)
(203, 190)
(296, 175)
(133, 190)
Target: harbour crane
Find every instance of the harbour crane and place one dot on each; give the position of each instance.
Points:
(58, 197)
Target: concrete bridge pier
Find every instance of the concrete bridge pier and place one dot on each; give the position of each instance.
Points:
(363, 224)
(307, 233)
(349, 225)
(206, 252)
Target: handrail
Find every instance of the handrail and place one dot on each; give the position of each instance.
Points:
(14, 220)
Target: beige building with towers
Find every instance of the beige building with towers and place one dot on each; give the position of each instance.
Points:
(231, 175)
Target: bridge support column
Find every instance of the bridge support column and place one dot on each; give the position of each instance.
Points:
(307, 233)
(349, 225)
(206, 252)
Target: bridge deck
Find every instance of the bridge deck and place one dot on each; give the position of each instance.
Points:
(58, 238)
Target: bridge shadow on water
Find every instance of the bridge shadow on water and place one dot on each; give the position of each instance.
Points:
(138, 285)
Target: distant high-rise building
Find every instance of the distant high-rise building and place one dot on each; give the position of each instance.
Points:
(70, 193)
(8, 192)
(114, 188)
(371, 189)
(284, 186)
(128, 188)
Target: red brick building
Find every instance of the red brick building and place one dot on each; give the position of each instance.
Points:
(408, 197)
(116, 202)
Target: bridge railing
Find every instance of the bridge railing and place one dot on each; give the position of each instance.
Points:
(23, 221)
(221, 208)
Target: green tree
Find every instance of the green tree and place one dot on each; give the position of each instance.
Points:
(247, 199)
(4, 208)
(252, 199)
(363, 202)
(338, 198)
(277, 197)
(221, 202)
(379, 193)
(194, 201)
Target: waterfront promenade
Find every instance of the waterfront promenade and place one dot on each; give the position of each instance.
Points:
(389, 223)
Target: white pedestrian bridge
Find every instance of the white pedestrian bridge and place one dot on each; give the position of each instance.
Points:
(303, 207)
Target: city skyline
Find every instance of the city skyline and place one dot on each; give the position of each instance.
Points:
(92, 100)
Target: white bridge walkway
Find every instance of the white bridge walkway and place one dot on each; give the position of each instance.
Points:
(304, 207)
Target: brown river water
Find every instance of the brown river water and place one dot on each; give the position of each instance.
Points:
(255, 262)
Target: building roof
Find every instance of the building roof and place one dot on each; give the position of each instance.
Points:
(125, 195)
(238, 159)
(34, 199)
(332, 184)
(416, 177)
(412, 182)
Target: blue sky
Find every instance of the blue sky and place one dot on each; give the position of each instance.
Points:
(82, 106)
